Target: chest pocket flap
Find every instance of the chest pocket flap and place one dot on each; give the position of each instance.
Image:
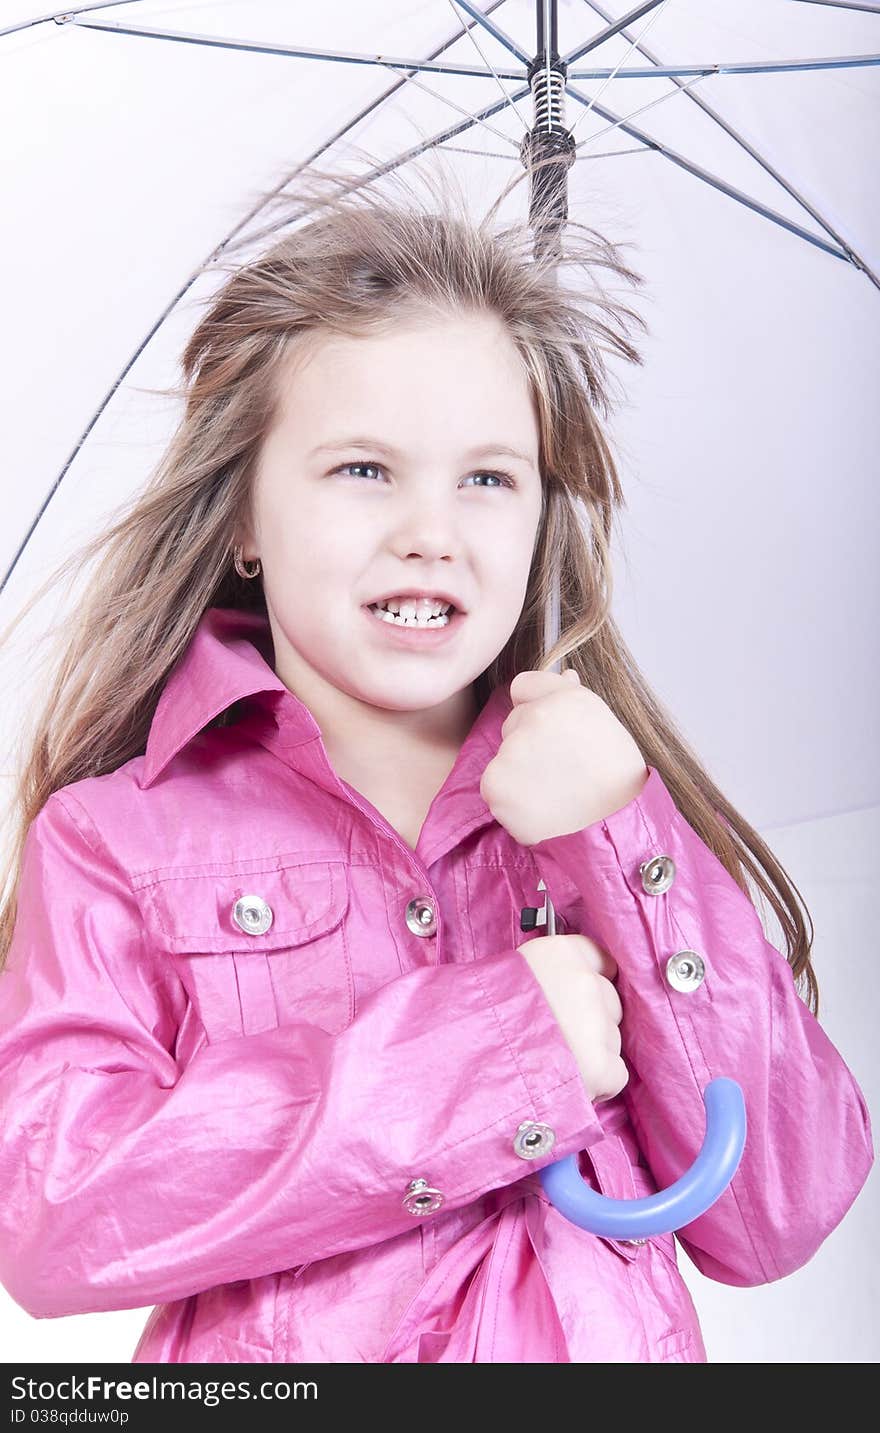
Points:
(258, 944)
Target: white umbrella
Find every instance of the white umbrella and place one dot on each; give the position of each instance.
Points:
(730, 145)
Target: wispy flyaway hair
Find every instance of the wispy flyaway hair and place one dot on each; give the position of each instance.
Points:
(356, 254)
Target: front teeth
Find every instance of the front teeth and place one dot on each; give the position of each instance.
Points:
(410, 606)
(410, 613)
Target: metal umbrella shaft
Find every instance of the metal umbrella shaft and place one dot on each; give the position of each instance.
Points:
(547, 152)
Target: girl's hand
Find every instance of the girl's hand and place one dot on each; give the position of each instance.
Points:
(576, 976)
(564, 761)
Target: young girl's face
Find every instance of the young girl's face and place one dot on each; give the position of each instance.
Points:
(385, 472)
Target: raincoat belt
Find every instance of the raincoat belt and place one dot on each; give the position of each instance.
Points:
(488, 1299)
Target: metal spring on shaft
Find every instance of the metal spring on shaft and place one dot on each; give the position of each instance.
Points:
(549, 98)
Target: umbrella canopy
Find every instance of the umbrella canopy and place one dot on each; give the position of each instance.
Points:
(729, 149)
(741, 179)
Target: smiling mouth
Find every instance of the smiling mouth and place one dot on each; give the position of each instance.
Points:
(412, 631)
(419, 620)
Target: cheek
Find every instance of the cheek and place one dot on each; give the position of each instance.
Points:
(316, 550)
(509, 562)
(340, 538)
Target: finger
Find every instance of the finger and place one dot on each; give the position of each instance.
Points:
(614, 1005)
(528, 685)
(613, 1041)
(620, 1080)
(598, 959)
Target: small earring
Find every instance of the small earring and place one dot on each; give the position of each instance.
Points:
(240, 567)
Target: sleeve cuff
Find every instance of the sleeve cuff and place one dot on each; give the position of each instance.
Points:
(538, 1048)
(606, 847)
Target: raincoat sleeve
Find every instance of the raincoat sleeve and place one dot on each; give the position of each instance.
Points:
(808, 1147)
(132, 1177)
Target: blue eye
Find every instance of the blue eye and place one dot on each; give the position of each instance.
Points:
(504, 479)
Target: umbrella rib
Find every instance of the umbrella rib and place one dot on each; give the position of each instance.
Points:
(480, 153)
(844, 5)
(62, 19)
(474, 118)
(699, 173)
(401, 159)
(633, 44)
(612, 27)
(721, 67)
(827, 62)
(482, 18)
(184, 289)
(298, 52)
(486, 61)
(845, 251)
(620, 123)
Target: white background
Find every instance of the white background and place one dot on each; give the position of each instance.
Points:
(746, 575)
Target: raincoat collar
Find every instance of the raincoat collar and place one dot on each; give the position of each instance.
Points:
(229, 658)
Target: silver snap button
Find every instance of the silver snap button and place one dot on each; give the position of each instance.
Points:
(533, 1139)
(657, 874)
(420, 1198)
(421, 916)
(252, 914)
(685, 970)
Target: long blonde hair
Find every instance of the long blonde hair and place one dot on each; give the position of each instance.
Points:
(359, 262)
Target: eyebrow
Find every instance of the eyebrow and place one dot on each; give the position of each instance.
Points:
(485, 450)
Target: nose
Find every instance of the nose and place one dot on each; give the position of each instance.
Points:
(426, 525)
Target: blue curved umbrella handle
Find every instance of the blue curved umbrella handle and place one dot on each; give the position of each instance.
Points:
(672, 1208)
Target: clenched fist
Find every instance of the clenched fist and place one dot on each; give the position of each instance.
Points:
(564, 761)
(575, 975)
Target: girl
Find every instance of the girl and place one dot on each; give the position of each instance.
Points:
(275, 1054)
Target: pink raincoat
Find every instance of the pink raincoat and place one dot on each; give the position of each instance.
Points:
(241, 1016)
